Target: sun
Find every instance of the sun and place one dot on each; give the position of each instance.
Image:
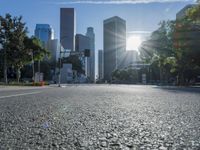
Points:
(133, 43)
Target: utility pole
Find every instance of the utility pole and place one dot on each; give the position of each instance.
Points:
(33, 67)
(59, 76)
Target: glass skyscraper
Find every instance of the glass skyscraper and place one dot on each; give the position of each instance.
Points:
(44, 32)
(67, 28)
(114, 45)
(91, 60)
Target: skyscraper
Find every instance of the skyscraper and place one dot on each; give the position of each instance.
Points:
(44, 32)
(100, 64)
(82, 42)
(53, 47)
(67, 28)
(91, 60)
(114, 45)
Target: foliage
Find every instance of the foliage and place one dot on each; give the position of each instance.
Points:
(175, 48)
(18, 48)
(75, 61)
(125, 76)
(187, 45)
(158, 48)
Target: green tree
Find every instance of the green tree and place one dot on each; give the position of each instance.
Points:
(75, 61)
(17, 56)
(158, 48)
(6, 29)
(125, 76)
(17, 47)
(187, 47)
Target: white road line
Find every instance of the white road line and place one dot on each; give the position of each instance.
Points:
(1, 97)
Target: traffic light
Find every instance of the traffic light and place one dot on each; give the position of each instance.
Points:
(87, 53)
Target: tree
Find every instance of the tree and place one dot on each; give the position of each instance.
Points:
(18, 56)
(125, 76)
(37, 53)
(193, 14)
(6, 27)
(158, 48)
(17, 47)
(75, 61)
(187, 45)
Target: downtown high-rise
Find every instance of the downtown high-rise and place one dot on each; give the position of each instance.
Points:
(90, 62)
(67, 28)
(114, 41)
(44, 32)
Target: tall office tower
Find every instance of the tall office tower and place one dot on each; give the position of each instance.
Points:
(44, 32)
(54, 48)
(91, 60)
(67, 28)
(100, 64)
(114, 45)
(82, 43)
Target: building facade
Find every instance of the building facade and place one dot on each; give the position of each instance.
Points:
(90, 61)
(131, 57)
(100, 65)
(114, 41)
(54, 48)
(44, 32)
(67, 28)
(82, 42)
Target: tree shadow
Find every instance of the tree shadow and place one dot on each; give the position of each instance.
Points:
(177, 89)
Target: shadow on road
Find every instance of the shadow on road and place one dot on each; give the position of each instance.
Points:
(179, 89)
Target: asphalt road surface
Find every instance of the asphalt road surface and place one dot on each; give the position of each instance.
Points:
(100, 117)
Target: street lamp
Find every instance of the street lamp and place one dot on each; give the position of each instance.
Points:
(33, 68)
(59, 76)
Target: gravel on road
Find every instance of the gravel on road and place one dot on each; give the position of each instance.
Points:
(101, 117)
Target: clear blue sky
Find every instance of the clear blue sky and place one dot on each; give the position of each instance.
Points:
(141, 15)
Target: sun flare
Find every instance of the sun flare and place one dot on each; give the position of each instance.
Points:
(133, 43)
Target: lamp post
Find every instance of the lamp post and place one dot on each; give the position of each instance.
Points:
(59, 76)
(33, 67)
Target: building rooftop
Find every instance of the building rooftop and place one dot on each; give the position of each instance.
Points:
(115, 18)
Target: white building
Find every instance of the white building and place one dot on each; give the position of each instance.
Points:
(66, 73)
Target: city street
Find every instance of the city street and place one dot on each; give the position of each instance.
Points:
(94, 117)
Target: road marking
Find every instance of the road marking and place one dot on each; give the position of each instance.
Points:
(23, 94)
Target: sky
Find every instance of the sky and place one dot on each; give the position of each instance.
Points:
(142, 16)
